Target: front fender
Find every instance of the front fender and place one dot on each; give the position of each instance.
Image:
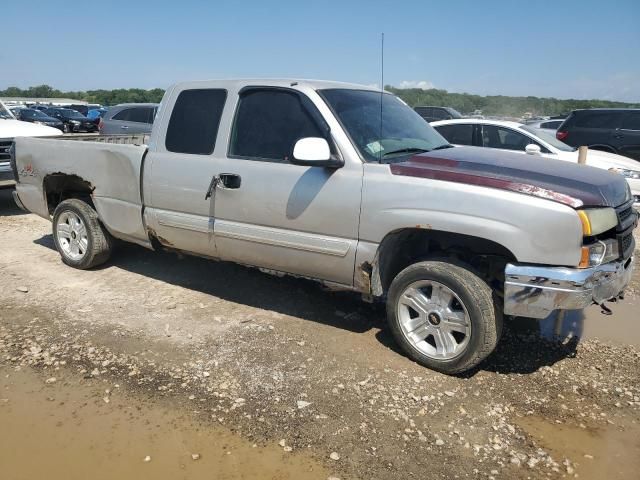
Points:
(535, 230)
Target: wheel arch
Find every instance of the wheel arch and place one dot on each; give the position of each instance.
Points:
(122, 219)
(403, 247)
(58, 187)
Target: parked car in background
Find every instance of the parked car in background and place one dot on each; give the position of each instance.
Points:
(546, 124)
(36, 116)
(42, 108)
(10, 128)
(83, 109)
(615, 130)
(96, 114)
(527, 139)
(72, 120)
(432, 114)
(129, 118)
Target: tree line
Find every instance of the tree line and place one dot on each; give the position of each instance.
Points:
(498, 105)
(102, 97)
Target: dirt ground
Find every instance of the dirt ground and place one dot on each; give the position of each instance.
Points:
(162, 366)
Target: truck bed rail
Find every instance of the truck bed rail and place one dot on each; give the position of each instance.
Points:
(132, 139)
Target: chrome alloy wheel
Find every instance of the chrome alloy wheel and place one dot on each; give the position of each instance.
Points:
(71, 234)
(434, 320)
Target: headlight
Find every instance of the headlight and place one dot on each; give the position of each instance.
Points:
(626, 173)
(599, 252)
(597, 220)
(75, 122)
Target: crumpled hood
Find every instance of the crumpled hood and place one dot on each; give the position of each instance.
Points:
(564, 182)
(17, 128)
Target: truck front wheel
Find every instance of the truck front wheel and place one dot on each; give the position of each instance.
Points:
(443, 315)
(79, 236)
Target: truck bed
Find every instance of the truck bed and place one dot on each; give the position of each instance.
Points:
(108, 168)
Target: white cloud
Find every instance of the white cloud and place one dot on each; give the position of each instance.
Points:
(422, 84)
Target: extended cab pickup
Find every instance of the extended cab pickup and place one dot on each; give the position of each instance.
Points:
(346, 185)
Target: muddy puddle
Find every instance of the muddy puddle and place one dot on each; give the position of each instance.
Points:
(611, 453)
(74, 429)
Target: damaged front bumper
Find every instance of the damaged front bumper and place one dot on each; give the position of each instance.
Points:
(536, 291)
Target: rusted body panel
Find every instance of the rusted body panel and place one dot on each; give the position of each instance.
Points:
(111, 171)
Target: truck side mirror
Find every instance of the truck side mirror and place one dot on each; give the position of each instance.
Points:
(532, 149)
(314, 152)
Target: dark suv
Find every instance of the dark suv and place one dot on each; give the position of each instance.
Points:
(433, 114)
(615, 130)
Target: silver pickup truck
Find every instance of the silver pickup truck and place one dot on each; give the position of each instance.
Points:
(349, 186)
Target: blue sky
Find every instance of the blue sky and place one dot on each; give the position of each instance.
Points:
(566, 49)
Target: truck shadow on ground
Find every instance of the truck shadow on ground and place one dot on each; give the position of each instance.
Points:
(521, 350)
(287, 295)
(8, 207)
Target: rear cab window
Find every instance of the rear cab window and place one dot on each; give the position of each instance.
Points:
(195, 119)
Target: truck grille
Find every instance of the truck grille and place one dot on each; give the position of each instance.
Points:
(624, 213)
(626, 244)
(627, 220)
(627, 217)
(5, 150)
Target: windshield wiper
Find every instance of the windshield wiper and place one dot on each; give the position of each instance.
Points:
(406, 150)
(442, 147)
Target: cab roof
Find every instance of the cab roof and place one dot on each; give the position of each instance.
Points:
(273, 82)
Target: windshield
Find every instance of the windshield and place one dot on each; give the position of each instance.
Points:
(4, 113)
(549, 137)
(402, 131)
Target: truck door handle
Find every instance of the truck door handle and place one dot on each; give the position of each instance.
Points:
(230, 180)
(124, 126)
(224, 181)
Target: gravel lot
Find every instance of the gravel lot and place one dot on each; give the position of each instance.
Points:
(282, 363)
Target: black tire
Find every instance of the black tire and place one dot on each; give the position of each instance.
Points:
(99, 241)
(484, 315)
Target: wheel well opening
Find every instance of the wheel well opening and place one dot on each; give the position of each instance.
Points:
(60, 186)
(402, 248)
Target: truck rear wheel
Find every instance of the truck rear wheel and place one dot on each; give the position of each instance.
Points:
(79, 236)
(443, 315)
